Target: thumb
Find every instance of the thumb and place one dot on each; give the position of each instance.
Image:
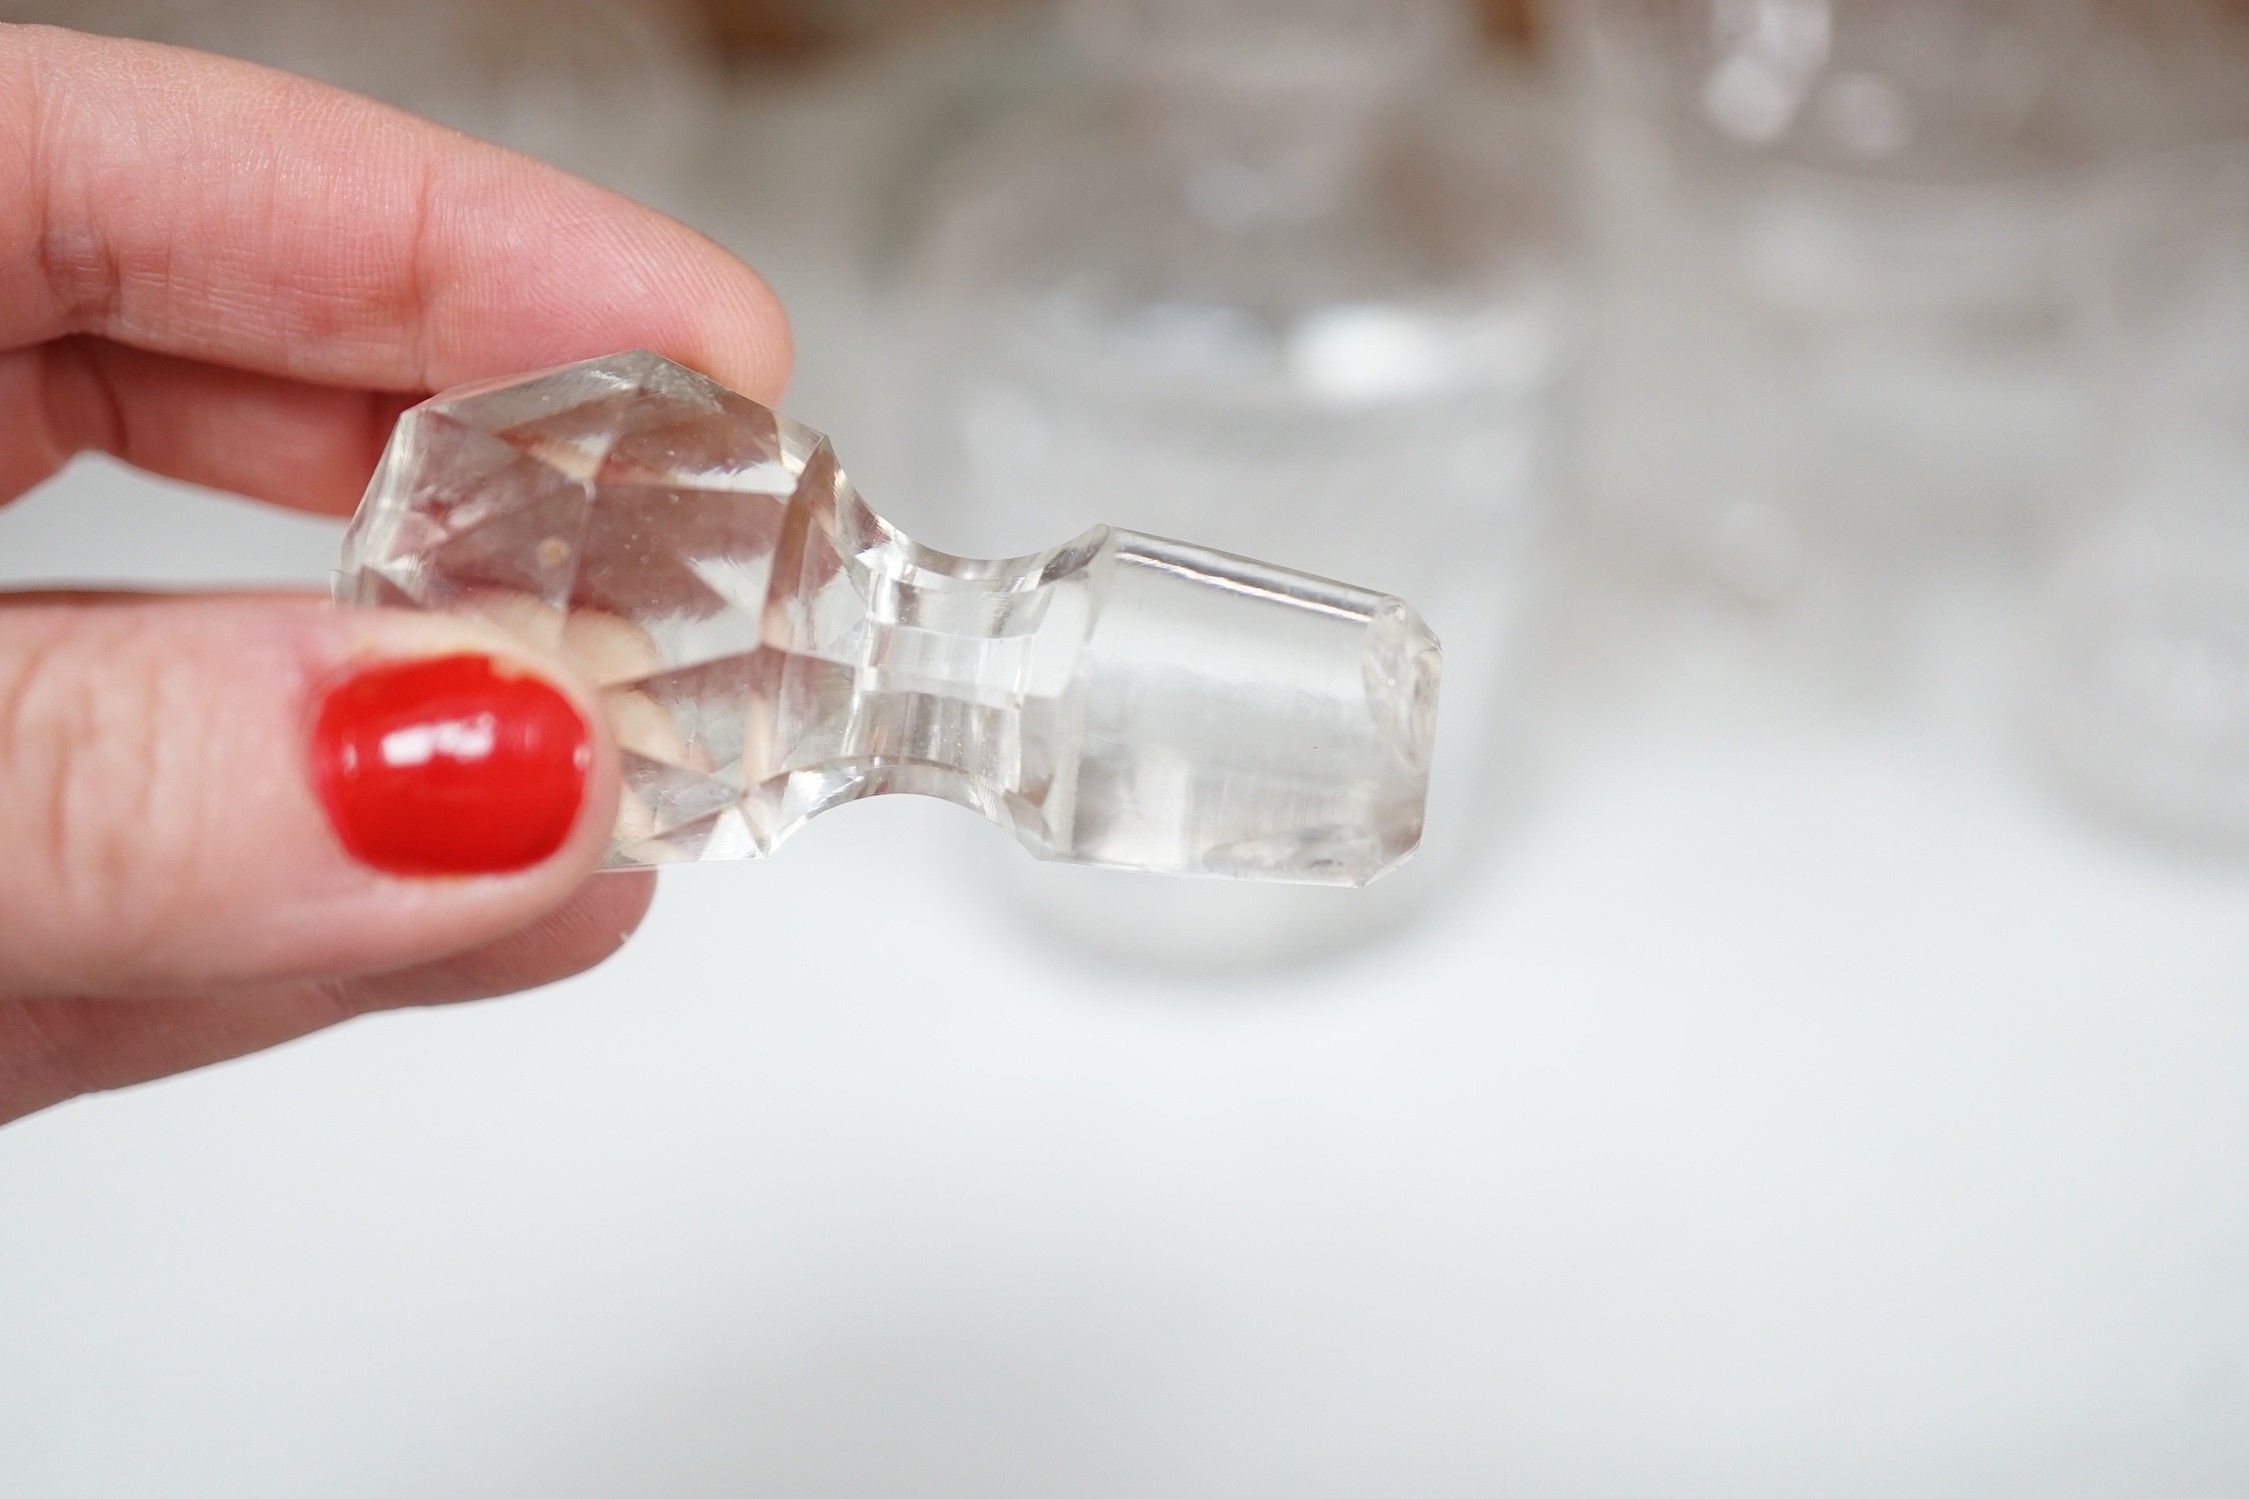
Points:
(202, 794)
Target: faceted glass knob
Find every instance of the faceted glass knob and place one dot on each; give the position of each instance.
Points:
(767, 647)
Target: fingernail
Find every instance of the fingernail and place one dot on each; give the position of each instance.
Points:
(452, 765)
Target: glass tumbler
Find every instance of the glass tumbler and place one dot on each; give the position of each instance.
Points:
(1256, 282)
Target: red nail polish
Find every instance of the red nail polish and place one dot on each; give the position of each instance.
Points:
(453, 765)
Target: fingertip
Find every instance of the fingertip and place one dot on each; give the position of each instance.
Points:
(599, 274)
(586, 930)
(752, 349)
(589, 928)
(337, 241)
(175, 827)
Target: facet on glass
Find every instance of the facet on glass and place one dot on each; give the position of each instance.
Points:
(767, 647)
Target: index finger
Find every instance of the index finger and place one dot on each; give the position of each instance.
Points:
(214, 210)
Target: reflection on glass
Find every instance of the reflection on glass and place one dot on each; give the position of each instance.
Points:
(1256, 286)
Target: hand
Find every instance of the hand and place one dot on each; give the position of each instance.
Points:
(211, 839)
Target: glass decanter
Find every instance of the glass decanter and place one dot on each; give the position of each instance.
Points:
(1254, 283)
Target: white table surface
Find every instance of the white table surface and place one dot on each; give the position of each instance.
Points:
(1805, 1103)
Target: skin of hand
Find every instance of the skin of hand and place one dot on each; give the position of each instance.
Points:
(239, 278)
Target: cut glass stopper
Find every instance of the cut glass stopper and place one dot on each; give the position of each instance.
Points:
(767, 647)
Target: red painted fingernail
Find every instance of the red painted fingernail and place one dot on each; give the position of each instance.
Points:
(453, 765)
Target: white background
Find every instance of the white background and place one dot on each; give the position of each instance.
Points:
(1803, 1101)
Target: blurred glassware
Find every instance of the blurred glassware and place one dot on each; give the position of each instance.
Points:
(766, 30)
(1270, 280)
(2142, 694)
(610, 90)
(1836, 238)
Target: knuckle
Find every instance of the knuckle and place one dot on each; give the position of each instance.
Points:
(96, 796)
